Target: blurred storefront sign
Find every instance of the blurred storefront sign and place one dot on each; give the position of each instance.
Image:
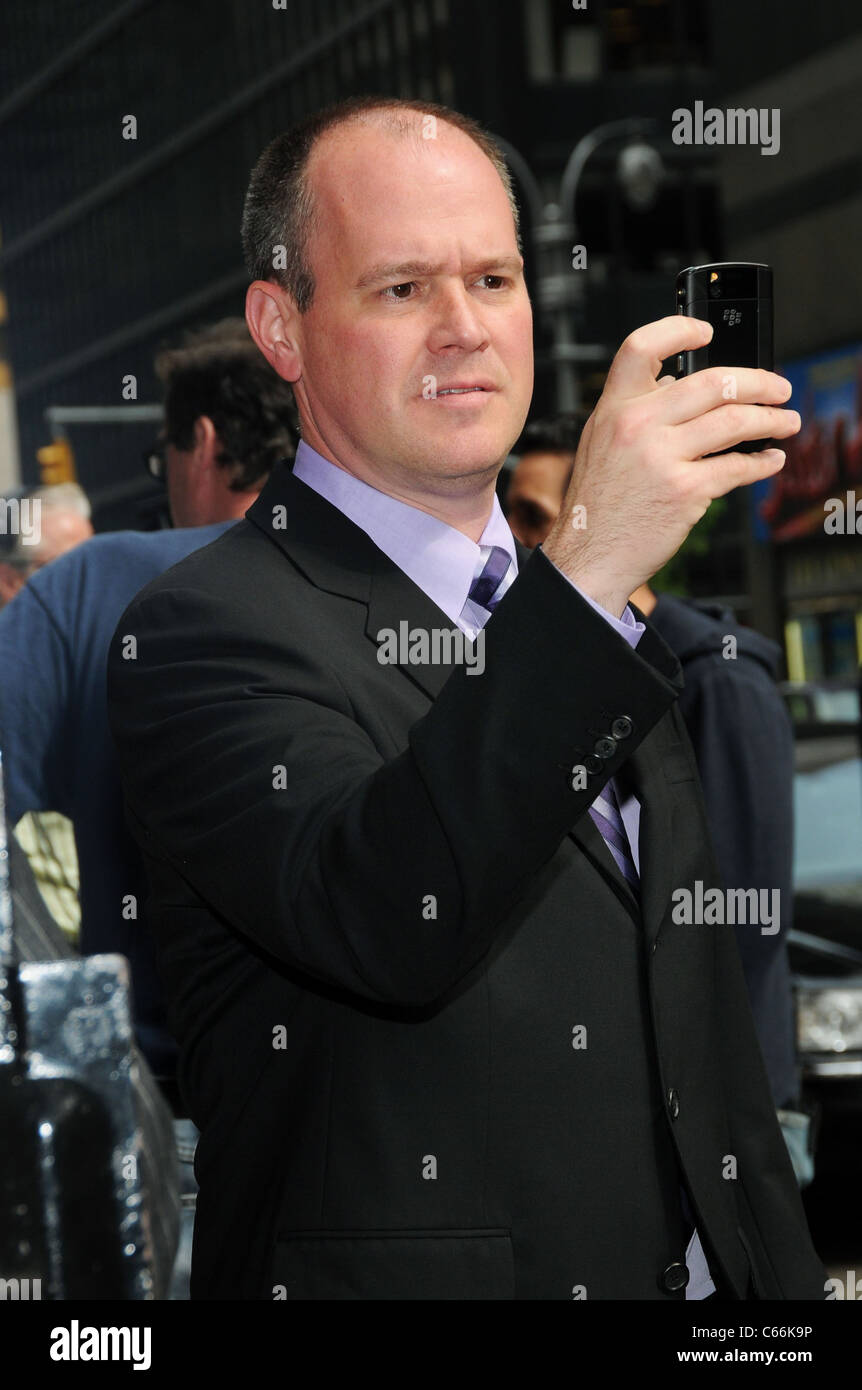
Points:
(824, 461)
(809, 518)
(821, 589)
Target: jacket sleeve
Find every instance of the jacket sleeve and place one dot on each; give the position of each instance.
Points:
(246, 769)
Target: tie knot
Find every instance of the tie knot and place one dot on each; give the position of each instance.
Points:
(486, 584)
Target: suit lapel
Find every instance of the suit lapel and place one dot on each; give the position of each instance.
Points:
(641, 774)
(586, 836)
(398, 605)
(522, 553)
(648, 783)
(338, 557)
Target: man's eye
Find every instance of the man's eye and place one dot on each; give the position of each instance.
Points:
(395, 292)
(391, 291)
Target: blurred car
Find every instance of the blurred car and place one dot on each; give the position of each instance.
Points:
(825, 943)
(834, 701)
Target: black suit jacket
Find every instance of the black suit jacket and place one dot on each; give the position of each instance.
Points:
(433, 1047)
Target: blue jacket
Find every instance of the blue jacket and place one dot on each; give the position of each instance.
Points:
(56, 744)
(743, 743)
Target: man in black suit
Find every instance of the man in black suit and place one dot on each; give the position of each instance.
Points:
(438, 1029)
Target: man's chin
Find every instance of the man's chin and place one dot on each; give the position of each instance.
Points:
(460, 456)
(446, 463)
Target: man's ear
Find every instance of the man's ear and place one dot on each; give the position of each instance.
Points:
(205, 442)
(273, 321)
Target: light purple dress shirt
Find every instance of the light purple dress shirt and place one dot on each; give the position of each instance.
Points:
(443, 563)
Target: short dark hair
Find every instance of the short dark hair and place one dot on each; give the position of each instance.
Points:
(219, 371)
(279, 205)
(556, 434)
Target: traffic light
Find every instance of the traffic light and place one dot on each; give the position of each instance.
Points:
(57, 462)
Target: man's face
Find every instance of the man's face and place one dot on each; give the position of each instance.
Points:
(535, 494)
(59, 531)
(419, 287)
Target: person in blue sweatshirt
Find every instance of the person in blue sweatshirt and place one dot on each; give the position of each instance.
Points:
(228, 419)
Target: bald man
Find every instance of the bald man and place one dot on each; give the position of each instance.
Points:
(439, 1030)
(61, 516)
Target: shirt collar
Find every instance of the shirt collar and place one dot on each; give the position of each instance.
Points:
(440, 560)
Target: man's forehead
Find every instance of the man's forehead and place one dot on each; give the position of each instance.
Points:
(347, 163)
(377, 208)
(375, 129)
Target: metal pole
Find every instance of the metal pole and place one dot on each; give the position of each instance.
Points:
(554, 230)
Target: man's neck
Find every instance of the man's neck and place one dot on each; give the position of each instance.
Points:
(467, 511)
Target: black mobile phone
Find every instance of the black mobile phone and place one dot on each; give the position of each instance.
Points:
(736, 298)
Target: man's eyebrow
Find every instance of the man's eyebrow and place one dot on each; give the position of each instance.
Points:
(412, 270)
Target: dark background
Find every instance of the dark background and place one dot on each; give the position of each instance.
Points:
(111, 246)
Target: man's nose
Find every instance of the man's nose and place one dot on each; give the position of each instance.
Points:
(457, 321)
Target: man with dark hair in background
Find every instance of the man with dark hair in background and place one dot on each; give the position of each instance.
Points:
(539, 481)
(227, 422)
(228, 419)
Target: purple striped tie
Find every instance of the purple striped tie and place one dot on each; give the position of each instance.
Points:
(605, 812)
(484, 587)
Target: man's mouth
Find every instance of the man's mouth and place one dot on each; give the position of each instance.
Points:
(459, 390)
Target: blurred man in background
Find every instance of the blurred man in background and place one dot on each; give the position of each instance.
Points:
(743, 741)
(63, 513)
(58, 518)
(228, 419)
(537, 485)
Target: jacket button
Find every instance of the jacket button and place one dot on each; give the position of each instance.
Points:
(605, 747)
(621, 727)
(673, 1103)
(674, 1278)
(593, 764)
